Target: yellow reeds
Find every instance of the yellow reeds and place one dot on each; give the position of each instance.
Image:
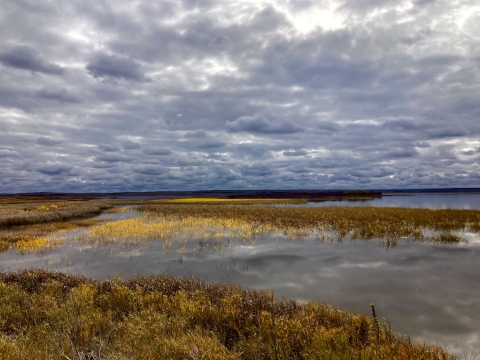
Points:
(172, 228)
(36, 236)
(354, 222)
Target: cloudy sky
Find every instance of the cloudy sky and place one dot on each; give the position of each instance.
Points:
(222, 94)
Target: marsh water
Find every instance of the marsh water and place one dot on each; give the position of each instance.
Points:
(428, 292)
(427, 201)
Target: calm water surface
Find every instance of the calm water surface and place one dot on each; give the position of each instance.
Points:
(429, 292)
(430, 201)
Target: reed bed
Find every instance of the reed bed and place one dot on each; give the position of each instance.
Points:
(34, 213)
(152, 228)
(32, 237)
(391, 224)
(51, 315)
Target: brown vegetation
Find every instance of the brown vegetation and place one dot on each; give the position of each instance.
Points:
(355, 222)
(32, 237)
(50, 315)
(34, 213)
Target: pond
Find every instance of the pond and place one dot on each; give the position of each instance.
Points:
(428, 292)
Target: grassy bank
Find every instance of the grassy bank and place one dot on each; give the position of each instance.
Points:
(27, 225)
(13, 215)
(50, 315)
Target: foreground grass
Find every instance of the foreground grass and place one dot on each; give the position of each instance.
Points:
(50, 315)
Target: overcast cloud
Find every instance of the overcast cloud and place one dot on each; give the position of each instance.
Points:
(220, 94)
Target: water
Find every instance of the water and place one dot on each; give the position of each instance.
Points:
(426, 291)
(429, 201)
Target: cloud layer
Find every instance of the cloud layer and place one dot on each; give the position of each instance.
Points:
(179, 95)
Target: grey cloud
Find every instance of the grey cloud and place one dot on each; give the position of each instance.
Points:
(211, 144)
(112, 66)
(5, 153)
(422, 144)
(53, 168)
(471, 152)
(196, 134)
(261, 125)
(256, 170)
(46, 141)
(149, 169)
(217, 156)
(401, 153)
(130, 145)
(329, 126)
(27, 58)
(108, 147)
(265, 100)
(62, 95)
(449, 131)
(295, 153)
(112, 157)
(157, 151)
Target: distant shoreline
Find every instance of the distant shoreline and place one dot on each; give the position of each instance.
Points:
(305, 194)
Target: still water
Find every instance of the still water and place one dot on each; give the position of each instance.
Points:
(430, 201)
(426, 291)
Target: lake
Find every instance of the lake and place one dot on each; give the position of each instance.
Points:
(428, 292)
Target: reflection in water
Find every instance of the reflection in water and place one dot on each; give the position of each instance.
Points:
(429, 201)
(429, 292)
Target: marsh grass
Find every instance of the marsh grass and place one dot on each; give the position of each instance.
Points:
(37, 236)
(115, 210)
(14, 215)
(366, 223)
(50, 315)
(447, 238)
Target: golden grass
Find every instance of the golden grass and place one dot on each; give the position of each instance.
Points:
(115, 210)
(49, 315)
(355, 222)
(36, 236)
(155, 228)
(33, 213)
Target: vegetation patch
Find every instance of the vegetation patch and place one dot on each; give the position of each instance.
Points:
(34, 213)
(326, 222)
(50, 315)
(36, 236)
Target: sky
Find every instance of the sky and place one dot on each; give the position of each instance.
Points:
(109, 96)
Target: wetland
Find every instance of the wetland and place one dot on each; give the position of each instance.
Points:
(418, 266)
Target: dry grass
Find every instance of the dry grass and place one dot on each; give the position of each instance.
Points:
(35, 212)
(115, 210)
(49, 315)
(36, 236)
(356, 222)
